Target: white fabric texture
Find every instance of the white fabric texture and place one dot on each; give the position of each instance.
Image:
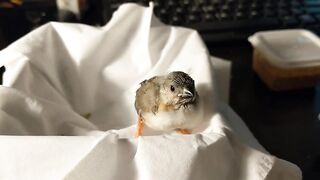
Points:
(66, 108)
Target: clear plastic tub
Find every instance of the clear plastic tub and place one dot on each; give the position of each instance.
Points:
(286, 59)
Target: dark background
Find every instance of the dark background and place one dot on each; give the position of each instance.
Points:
(285, 123)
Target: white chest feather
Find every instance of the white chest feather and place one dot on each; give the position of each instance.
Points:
(182, 118)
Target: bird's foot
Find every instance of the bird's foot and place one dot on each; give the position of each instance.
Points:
(139, 127)
(183, 131)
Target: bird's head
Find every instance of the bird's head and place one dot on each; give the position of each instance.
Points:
(178, 89)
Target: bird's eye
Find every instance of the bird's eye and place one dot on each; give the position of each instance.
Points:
(172, 88)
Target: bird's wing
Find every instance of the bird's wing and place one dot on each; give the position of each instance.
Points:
(147, 96)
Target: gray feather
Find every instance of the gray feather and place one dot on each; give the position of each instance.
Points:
(147, 96)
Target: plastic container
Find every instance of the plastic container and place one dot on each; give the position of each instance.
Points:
(286, 59)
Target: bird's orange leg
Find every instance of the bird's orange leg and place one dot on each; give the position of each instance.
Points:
(183, 131)
(140, 126)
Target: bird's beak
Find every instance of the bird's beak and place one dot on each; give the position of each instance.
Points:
(186, 93)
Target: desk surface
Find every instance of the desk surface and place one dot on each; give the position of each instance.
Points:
(285, 123)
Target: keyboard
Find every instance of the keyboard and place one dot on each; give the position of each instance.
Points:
(231, 20)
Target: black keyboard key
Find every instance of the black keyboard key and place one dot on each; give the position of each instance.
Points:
(311, 3)
(283, 4)
(241, 6)
(230, 2)
(269, 13)
(297, 11)
(240, 15)
(209, 9)
(307, 19)
(163, 12)
(176, 20)
(289, 21)
(208, 17)
(255, 14)
(256, 6)
(295, 3)
(246, 1)
(317, 16)
(186, 3)
(156, 4)
(195, 10)
(252, 24)
(192, 18)
(226, 8)
(283, 12)
(313, 10)
(203, 2)
(179, 11)
(216, 2)
(224, 16)
(269, 5)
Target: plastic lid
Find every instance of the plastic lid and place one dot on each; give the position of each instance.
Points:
(288, 48)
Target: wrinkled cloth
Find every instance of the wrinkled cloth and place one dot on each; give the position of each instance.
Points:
(66, 108)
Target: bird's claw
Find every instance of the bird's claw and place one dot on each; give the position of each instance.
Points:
(183, 131)
(139, 127)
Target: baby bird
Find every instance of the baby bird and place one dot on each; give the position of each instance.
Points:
(167, 103)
